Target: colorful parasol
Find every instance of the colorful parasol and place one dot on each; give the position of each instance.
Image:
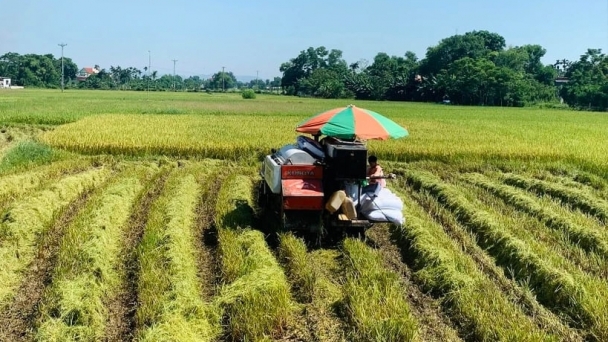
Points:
(352, 123)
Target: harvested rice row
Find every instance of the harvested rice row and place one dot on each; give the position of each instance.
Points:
(170, 305)
(469, 295)
(571, 292)
(577, 198)
(590, 179)
(588, 239)
(88, 273)
(563, 253)
(26, 219)
(299, 268)
(314, 278)
(374, 297)
(255, 298)
(15, 186)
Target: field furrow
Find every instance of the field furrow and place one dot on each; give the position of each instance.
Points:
(314, 277)
(560, 285)
(122, 308)
(206, 233)
(434, 323)
(255, 298)
(593, 241)
(89, 271)
(24, 221)
(17, 322)
(575, 198)
(446, 267)
(170, 304)
(374, 298)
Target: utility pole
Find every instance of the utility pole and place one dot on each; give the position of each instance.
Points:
(257, 82)
(149, 70)
(62, 83)
(223, 78)
(175, 60)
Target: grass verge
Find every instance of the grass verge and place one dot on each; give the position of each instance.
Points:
(27, 154)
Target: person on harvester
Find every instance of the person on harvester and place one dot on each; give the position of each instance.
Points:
(375, 170)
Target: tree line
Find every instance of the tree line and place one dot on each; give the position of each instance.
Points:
(474, 68)
(44, 71)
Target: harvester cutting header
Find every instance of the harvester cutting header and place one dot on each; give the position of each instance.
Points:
(323, 186)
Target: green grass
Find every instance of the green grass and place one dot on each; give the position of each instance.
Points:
(27, 154)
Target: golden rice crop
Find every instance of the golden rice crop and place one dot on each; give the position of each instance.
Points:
(560, 285)
(437, 133)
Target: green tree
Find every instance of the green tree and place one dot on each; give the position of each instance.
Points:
(223, 80)
(588, 81)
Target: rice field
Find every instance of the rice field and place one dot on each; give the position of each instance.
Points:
(132, 217)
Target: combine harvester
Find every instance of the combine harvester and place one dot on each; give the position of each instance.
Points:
(321, 187)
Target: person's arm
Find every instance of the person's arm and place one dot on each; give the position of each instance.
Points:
(377, 172)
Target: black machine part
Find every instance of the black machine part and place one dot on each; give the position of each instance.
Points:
(346, 160)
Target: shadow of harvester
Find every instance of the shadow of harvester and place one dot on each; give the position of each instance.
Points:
(242, 216)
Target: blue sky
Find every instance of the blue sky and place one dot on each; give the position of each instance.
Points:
(250, 36)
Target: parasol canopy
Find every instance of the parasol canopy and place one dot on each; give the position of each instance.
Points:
(352, 122)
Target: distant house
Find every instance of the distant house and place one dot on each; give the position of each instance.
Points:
(84, 73)
(560, 81)
(5, 82)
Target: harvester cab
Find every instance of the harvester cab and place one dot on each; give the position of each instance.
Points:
(321, 187)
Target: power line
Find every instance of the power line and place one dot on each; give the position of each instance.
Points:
(62, 82)
(174, 61)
